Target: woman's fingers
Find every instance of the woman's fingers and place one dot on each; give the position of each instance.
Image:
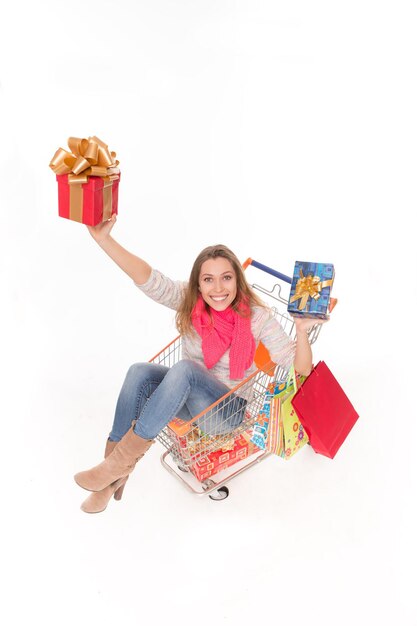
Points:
(305, 323)
(103, 229)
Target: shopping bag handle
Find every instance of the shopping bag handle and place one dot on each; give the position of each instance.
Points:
(292, 377)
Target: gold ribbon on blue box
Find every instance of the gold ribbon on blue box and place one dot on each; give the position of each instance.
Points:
(308, 287)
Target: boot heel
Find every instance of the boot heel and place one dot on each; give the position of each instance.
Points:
(98, 500)
(119, 491)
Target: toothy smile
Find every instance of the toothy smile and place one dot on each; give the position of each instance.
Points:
(218, 298)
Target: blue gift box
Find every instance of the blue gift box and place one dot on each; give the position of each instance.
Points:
(310, 289)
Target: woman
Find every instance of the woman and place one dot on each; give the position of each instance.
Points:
(221, 321)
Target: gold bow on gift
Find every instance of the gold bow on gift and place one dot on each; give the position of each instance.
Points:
(309, 287)
(88, 157)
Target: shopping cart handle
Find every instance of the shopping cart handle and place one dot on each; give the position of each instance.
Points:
(269, 270)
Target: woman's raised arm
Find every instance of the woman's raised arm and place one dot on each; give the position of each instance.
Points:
(138, 270)
(303, 360)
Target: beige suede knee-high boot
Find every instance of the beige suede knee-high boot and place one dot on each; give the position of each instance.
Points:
(98, 500)
(119, 464)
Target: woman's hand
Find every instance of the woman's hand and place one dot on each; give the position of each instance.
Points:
(303, 359)
(304, 324)
(100, 232)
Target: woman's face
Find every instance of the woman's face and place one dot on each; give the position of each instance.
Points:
(217, 283)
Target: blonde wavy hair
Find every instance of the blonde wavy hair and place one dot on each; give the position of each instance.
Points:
(244, 293)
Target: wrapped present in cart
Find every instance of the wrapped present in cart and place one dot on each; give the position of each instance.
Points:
(201, 395)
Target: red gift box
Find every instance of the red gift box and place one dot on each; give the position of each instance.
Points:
(91, 203)
(88, 180)
(217, 461)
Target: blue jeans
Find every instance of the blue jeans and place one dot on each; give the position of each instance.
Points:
(154, 394)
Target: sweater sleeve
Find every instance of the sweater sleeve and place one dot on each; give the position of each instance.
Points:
(280, 346)
(163, 290)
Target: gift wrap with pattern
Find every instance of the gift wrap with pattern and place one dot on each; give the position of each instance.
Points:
(310, 289)
(222, 459)
(278, 428)
(260, 428)
(294, 436)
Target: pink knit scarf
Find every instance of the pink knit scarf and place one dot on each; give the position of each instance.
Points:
(224, 329)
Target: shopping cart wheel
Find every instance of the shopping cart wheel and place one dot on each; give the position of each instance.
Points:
(222, 494)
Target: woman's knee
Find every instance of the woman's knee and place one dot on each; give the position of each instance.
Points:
(183, 369)
(137, 369)
(143, 372)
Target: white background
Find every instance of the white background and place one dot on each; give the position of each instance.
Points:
(286, 131)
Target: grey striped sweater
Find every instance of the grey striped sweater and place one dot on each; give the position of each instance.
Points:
(264, 327)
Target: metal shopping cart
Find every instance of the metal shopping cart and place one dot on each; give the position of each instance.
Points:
(191, 452)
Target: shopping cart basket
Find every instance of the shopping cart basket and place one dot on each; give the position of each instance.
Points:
(192, 449)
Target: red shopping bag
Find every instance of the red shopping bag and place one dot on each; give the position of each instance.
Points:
(324, 410)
